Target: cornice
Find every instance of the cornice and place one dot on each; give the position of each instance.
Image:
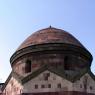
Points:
(51, 47)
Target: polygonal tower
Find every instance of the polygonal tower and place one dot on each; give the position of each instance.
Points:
(52, 48)
(53, 62)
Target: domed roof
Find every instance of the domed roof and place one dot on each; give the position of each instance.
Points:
(50, 35)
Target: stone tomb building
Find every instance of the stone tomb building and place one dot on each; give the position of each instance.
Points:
(50, 62)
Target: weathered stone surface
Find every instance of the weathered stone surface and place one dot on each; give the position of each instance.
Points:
(50, 62)
(50, 35)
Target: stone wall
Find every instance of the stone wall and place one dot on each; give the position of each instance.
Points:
(13, 87)
(85, 84)
(55, 83)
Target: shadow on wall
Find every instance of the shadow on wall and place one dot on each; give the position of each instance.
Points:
(60, 93)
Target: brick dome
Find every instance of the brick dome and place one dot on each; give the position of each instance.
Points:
(51, 45)
(50, 35)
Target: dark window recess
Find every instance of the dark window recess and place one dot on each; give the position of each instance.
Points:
(66, 63)
(46, 76)
(91, 88)
(80, 85)
(42, 86)
(85, 82)
(59, 85)
(49, 85)
(28, 66)
(85, 86)
(54, 78)
(20, 91)
(36, 86)
(56, 65)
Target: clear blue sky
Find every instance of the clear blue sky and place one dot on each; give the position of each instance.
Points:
(20, 18)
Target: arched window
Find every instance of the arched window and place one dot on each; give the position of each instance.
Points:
(28, 66)
(66, 63)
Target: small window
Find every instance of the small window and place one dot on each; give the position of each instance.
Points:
(42, 86)
(85, 86)
(59, 85)
(36, 86)
(20, 91)
(66, 63)
(49, 85)
(46, 76)
(54, 78)
(90, 87)
(28, 66)
(80, 85)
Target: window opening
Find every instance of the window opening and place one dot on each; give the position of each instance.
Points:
(59, 85)
(28, 66)
(36, 86)
(66, 64)
(49, 85)
(46, 76)
(42, 86)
